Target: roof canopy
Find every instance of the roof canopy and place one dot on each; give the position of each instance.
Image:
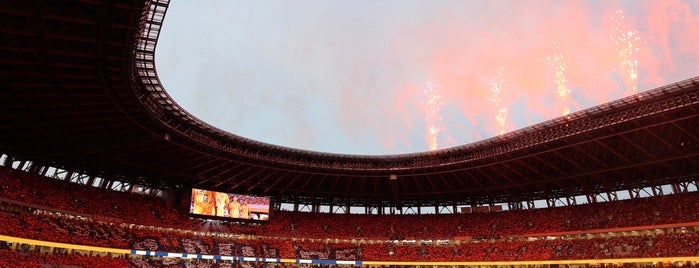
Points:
(79, 90)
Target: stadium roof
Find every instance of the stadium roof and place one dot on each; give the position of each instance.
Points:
(79, 90)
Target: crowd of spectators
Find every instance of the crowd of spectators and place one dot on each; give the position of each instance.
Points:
(47, 227)
(62, 195)
(28, 259)
(681, 244)
(125, 220)
(12, 258)
(675, 208)
(151, 211)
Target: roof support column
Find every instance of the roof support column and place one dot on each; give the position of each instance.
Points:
(8, 161)
(515, 206)
(591, 198)
(635, 193)
(315, 206)
(21, 165)
(530, 204)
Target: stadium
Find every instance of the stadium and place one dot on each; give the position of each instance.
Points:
(101, 168)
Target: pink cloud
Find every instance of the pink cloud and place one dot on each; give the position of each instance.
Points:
(372, 75)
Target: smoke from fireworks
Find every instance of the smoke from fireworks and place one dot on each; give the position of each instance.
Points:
(498, 90)
(626, 42)
(606, 52)
(432, 102)
(559, 62)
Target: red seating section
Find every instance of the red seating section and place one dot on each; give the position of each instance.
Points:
(320, 236)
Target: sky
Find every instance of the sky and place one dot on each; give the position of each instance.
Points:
(400, 76)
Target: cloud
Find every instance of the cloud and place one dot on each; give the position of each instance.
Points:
(349, 76)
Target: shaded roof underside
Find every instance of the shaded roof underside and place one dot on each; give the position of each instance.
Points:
(78, 90)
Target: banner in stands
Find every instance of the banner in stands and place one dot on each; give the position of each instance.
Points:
(225, 205)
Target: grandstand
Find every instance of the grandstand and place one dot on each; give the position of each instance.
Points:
(99, 162)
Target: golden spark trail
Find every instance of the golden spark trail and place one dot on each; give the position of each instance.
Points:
(432, 102)
(498, 90)
(626, 42)
(559, 62)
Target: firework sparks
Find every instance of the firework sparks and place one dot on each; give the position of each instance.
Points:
(626, 42)
(559, 62)
(432, 102)
(498, 90)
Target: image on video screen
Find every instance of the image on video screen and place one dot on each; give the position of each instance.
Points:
(226, 205)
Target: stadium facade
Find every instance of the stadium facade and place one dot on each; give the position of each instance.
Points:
(80, 93)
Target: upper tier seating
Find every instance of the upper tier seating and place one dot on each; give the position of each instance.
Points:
(312, 235)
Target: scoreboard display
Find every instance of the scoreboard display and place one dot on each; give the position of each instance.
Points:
(229, 206)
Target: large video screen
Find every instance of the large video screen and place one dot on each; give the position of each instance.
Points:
(225, 205)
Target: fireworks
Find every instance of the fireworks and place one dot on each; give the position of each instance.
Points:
(498, 90)
(626, 42)
(432, 102)
(559, 62)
